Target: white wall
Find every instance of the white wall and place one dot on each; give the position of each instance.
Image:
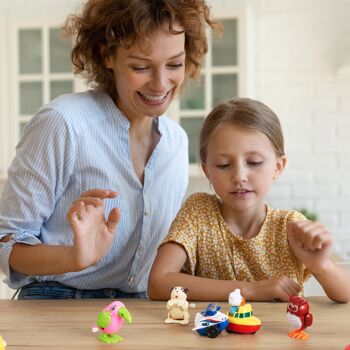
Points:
(303, 50)
(302, 71)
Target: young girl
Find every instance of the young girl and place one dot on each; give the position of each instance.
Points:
(230, 240)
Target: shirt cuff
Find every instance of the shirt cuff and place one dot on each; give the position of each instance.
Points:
(6, 248)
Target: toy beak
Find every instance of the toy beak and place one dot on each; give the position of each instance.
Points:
(243, 301)
(124, 313)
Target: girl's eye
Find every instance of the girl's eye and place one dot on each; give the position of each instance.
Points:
(253, 163)
(222, 166)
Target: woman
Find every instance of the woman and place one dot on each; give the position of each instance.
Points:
(112, 147)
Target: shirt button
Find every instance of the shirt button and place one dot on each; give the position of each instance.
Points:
(147, 212)
(141, 248)
(131, 279)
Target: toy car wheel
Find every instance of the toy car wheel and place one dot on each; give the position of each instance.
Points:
(213, 332)
(229, 330)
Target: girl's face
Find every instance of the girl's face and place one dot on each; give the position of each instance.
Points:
(148, 78)
(241, 165)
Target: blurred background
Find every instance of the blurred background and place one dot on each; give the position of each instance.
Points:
(293, 55)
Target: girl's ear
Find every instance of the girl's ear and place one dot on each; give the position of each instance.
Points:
(205, 169)
(280, 165)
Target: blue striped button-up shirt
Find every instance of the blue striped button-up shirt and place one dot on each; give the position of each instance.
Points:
(80, 142)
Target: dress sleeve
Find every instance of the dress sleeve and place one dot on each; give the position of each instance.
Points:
(37, 177)
(184, 231)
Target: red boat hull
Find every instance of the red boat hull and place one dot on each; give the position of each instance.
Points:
(239, 328)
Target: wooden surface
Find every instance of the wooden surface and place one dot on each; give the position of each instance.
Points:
(67, 325)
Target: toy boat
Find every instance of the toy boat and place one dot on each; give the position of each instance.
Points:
(243, 321)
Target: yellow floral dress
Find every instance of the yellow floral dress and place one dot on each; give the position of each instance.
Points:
(213, 251)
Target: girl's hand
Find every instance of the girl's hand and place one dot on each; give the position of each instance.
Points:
(311, 243)
(276, 288)
(93, 235)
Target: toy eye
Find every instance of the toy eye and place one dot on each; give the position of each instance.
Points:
(295, 308)
(113, 308)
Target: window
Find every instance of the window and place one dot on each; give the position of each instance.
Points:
(3, 102)
(36, 69)
(44, 70)
(223, 76)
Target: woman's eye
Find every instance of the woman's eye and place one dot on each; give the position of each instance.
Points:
(139, 69)
(176, 66)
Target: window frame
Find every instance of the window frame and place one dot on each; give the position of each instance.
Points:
(3, 100)
(244, 86)
(15, 77)
(45, 77)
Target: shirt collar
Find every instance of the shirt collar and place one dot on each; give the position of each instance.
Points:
(124, 121)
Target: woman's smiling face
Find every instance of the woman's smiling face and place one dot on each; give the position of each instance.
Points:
(148, 78)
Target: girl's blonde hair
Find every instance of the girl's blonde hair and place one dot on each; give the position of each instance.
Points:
(244, 113)
(105, 25)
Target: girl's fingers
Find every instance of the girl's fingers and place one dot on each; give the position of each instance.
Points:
(305, 233)
(322, 240)
(298, 225)
(309, 236)
(291, 287)
(286, 287)
(294, 289)
(283, 295)
(314, 238)
(296, 286)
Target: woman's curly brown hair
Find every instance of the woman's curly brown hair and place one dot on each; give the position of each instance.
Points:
(104, 25)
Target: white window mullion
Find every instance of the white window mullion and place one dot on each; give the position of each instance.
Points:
(226, 69)
(46, 68)
(208, 78)
(3, 101)
(195, 113)
(30, 77)
(16, 82)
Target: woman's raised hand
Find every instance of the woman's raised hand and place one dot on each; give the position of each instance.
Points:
(92, 234)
